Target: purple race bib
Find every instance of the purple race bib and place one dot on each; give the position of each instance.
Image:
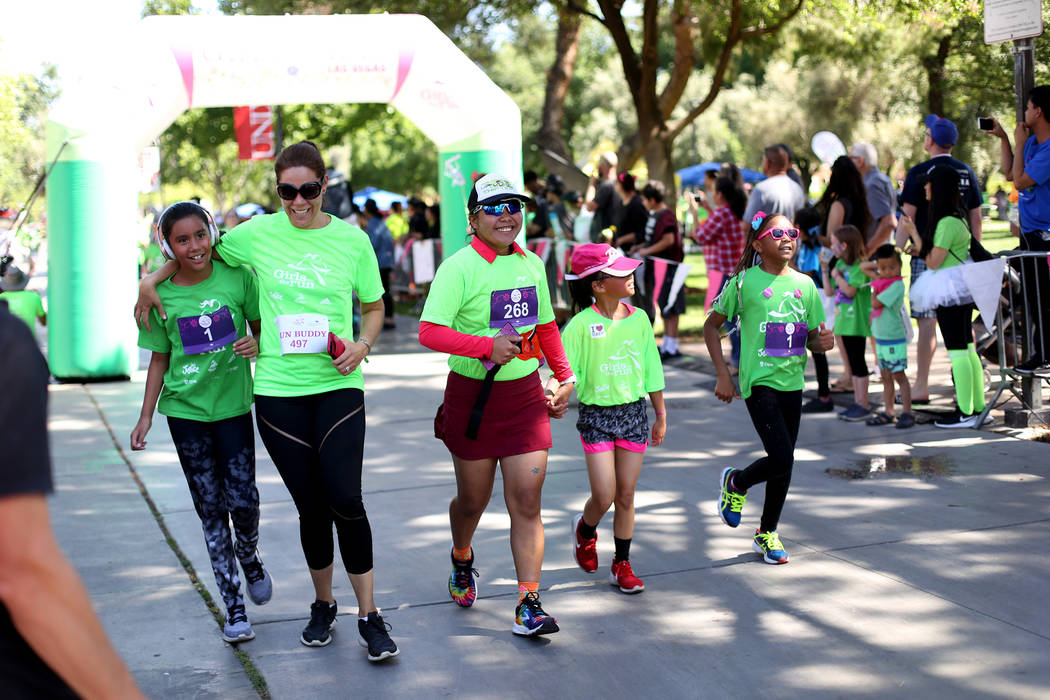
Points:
(786, 339)
(207, 332)
(518, 307)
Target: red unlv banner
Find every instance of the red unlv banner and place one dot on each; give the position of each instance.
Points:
(254, 127)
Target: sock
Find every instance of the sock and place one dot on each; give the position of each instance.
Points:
(978, 378)
(962, 374)
(587, 532)
(670, 344)
(461, 555)
(525, 587)
(623, 549)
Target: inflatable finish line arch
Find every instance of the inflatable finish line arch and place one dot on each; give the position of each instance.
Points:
(176, 62)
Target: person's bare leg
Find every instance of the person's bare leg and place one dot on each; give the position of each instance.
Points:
(364, 585)
(628, 468)
(474, 479)
(847, 371)
(523, 477)
(924, 349)
(322, 579)
(601, 472)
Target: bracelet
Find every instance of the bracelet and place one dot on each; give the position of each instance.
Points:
(660, 413)
(366, 342)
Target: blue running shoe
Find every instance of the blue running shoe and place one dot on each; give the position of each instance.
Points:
(237, 628)
(768, 545)
(530, 620)
(462, 585)
(730, 503)
(855, 413)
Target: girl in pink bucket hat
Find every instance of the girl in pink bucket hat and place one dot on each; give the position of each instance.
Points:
(613, 354)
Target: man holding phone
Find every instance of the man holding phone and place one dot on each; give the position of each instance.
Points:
(1031, 176)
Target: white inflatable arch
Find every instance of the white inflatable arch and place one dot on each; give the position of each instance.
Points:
(173, 63)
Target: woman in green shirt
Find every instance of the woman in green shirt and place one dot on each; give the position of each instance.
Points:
(945, 247)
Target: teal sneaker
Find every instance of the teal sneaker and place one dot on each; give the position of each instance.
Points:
(530, 620)
(769, 546)
(730, 503)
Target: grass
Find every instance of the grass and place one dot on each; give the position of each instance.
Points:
(996, 237)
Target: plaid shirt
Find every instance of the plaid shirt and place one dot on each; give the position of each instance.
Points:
(722, 237)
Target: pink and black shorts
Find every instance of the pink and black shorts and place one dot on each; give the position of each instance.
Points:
(603, 428)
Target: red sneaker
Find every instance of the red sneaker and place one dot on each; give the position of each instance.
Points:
(585, 552)
(620, 574)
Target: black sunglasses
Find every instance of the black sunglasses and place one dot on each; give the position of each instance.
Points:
(309, 190)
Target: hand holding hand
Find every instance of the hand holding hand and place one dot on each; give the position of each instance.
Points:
(558, 404)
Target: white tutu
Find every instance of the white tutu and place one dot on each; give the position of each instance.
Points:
(943, 287)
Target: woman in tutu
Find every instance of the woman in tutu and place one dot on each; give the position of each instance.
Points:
(945, 247)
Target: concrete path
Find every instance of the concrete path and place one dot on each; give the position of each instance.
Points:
(916, 562)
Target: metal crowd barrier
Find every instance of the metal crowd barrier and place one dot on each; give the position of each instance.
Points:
(1022, 299)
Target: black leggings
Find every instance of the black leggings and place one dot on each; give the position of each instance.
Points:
(820, 365)
(855, 347)
(956, 324)
(388, 300)
(317, 444)
(776, 416)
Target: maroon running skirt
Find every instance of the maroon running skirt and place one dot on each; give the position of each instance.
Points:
(515, 420)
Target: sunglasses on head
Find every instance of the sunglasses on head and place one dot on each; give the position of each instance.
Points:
(497, 209)
(309, 190)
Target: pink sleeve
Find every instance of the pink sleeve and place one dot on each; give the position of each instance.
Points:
(553, 350)
(444, 339)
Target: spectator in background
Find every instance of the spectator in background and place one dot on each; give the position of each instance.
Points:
(1030, 174)
(433, 217)
(540, 225)
(722, 235)
(395, 221)
(23, 303)
(778, 193)
(560, 212)
(631, 227)
(417, 219)
(941, 136)
(52, 645)
(663, 239)
(881, 196)
(791, 172)
(383, 244)
(601, 196)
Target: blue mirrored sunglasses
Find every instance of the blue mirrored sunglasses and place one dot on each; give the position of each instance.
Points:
(497, 209)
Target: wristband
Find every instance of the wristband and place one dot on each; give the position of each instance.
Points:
(571, 379)
(367, 343)
(660, 413)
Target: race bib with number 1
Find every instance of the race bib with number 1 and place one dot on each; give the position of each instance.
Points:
(207, 332)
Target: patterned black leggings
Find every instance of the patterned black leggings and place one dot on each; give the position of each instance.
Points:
(218, 459)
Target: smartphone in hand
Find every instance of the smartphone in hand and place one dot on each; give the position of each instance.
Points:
(985, 123)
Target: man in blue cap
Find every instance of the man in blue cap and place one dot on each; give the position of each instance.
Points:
(941, 136)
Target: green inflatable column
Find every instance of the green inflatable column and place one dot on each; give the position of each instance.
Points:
(454, 185)
(92, 258)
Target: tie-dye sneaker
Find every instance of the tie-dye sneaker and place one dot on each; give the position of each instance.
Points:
(462, 584)
(530, 620)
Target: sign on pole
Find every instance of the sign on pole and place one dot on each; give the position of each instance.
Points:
(1008, 20)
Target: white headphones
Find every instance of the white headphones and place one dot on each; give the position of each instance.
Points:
(165, 249)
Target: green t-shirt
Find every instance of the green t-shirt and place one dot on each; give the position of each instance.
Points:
(25, 304)
(307, 279)
(854, 317)
(889, 325)
(397, 225)
(952, 235)
(615, 362)
(476, 297)
(776, 314)
(152, 257)
(206, 380)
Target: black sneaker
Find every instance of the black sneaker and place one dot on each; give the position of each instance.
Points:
(1029, 366)
(958, 420)
(322, 619)
(374, 637)
(818, 405)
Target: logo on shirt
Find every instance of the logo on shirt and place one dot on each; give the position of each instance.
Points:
(623, 362)
(308, 273)
(597, 330)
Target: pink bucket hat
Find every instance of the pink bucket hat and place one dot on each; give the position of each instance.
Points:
(600, 257)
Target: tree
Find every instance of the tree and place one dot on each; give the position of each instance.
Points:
(24, 100)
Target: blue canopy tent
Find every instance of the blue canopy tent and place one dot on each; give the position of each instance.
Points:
(383, 198)
(694, 174)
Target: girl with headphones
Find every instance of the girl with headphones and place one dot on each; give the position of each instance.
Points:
(201, 375)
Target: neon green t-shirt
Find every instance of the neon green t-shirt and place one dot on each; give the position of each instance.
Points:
(206, 380)
(476, 297)
(854, 317)
(152, 257)
(776, 314)
(952, 235)
(397, 225)
(615, 362)
(25, 304)
(889, 325)
(307, 279)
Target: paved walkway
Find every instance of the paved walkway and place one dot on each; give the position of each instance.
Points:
(916, 562)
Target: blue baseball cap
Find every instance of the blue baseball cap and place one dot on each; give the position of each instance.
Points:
(943, 131)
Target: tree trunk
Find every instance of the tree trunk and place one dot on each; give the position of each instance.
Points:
(556, 154)
(934, 66)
